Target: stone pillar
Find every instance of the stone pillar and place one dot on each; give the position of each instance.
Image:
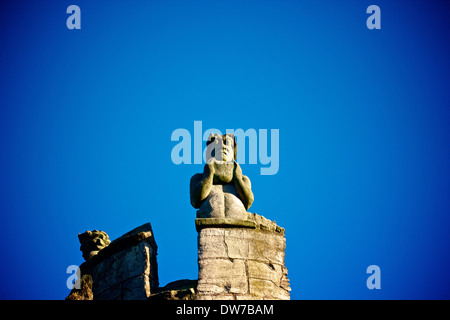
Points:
(241, 259)
(127, 268)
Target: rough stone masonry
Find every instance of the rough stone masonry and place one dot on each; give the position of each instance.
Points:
(125, 269)
(241, 262)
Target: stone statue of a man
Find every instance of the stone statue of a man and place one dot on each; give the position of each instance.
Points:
(221, 191)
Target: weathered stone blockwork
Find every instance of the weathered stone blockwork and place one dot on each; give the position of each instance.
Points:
(237, 259)
(127, 268)
(241, 261)
(125, 275)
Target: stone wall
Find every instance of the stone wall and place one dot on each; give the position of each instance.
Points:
(241, 259)
(237, 259)
(126, 269)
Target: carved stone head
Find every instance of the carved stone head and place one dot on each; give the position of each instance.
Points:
(92, 242)
(221, 147)
(221, 151)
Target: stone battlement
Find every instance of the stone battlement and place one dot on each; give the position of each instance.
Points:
(236, 260)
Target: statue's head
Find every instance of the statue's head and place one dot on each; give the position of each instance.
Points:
(92, 242)
(221, 147)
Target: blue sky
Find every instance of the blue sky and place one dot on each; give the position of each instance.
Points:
(86, 118)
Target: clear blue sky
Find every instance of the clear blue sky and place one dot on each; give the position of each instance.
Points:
(86, 118)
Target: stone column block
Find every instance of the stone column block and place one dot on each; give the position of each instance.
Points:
(241, 259)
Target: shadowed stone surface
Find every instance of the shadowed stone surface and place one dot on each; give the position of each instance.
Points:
(85, 290)
(177, 290)
(126, 269)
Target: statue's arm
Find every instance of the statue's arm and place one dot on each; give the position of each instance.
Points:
(201, 185)
(243, 186)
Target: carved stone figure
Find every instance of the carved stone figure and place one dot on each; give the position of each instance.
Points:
(92, 242)
(221, 191)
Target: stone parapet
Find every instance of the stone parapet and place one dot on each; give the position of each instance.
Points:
(126, 269)
(237, 260)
